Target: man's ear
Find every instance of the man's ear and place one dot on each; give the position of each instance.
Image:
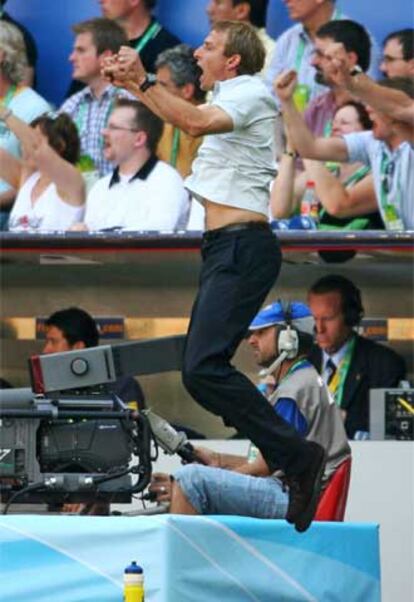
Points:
(79, 345)
(353, 58)
(242, 11)
(140, 139)
(411, 67)
(105, 54)
(233, 62)
(187, 91)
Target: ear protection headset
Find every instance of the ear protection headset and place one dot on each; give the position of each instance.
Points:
(287, 342)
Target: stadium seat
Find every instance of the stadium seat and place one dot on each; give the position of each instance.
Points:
(332, 503)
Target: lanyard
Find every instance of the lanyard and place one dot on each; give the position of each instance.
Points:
(175, 146)
(303, 363)
(81, 116)
(357, 176)
(391, 209)
(151, 32)
(9, 95)
(336, 386)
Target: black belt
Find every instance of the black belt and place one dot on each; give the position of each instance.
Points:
(238, 227)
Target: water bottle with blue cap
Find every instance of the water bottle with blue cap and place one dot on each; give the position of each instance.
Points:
(133, 583)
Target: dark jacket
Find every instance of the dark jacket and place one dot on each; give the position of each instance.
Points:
(372, 366)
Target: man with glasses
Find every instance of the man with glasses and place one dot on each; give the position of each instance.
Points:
(141, 193)
(398, 55)
(387, 149)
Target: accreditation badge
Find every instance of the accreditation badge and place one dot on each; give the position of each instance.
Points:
(392, 219)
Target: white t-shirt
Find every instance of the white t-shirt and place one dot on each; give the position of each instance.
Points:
(236, 168)
(152, 199)
(48, 213)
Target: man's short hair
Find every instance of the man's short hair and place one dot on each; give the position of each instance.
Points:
(243, 40)
(406, 39)
(150, 4)
(14, 61)
(144, 120)
(183, 67)
(258, 11)
(351, 301)
(106, 34)
(403, 84)
(76, 325)
(352, 35)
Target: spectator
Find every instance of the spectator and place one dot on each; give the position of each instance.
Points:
(90, 108)
(387, 100)
(51, 190)
(350, 364)
(248, 11)
(16, 96)
(300, 397)
(398, 55)
(386, 150)
(142, 193)
(29, 77)
(73, 328)
(335, 183)
(145, 34)
(355, 39)
(295, 46)
(178, 72)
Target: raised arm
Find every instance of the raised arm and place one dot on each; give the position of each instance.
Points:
(43, 157)
(288, 187)
(338, 200)
(10, 169)
(394, 103)
(322, 149)
(126, 70)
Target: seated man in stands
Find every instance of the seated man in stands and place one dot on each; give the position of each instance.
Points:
(350, 364)
(142, 193)
(95, 40)
(386, 149)
(178, 72)
(281, 337)
(398, 54)
(73, 328)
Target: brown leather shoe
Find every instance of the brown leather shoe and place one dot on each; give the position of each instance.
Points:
(304, 489)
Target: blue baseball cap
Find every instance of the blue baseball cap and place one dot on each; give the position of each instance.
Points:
(299, 315)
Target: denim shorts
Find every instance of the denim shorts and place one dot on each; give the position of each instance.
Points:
(217, 491)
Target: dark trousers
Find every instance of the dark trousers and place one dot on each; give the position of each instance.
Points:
(239, 268)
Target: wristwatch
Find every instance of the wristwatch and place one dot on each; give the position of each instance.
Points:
(356, 70)
(150, 80)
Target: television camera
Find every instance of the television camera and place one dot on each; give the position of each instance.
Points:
(68, 439)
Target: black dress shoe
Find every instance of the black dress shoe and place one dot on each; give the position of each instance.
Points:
(304, 489)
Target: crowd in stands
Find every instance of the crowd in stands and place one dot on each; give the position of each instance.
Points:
(105, 162)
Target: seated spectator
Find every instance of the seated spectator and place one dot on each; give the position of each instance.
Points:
(29, 77)
(145, 34)
(300, 398)
(386, 150)
(51, 191)
(178, 72)
(398, 54)
(95, 40)
(390, 101)
(335, 183)
(249, 11)
(355, 40)
(142, 193)
(295, 46)
(350, 364)
(16, 96)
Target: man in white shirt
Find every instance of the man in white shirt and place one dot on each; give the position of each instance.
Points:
(142, 193)
(241, 256)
